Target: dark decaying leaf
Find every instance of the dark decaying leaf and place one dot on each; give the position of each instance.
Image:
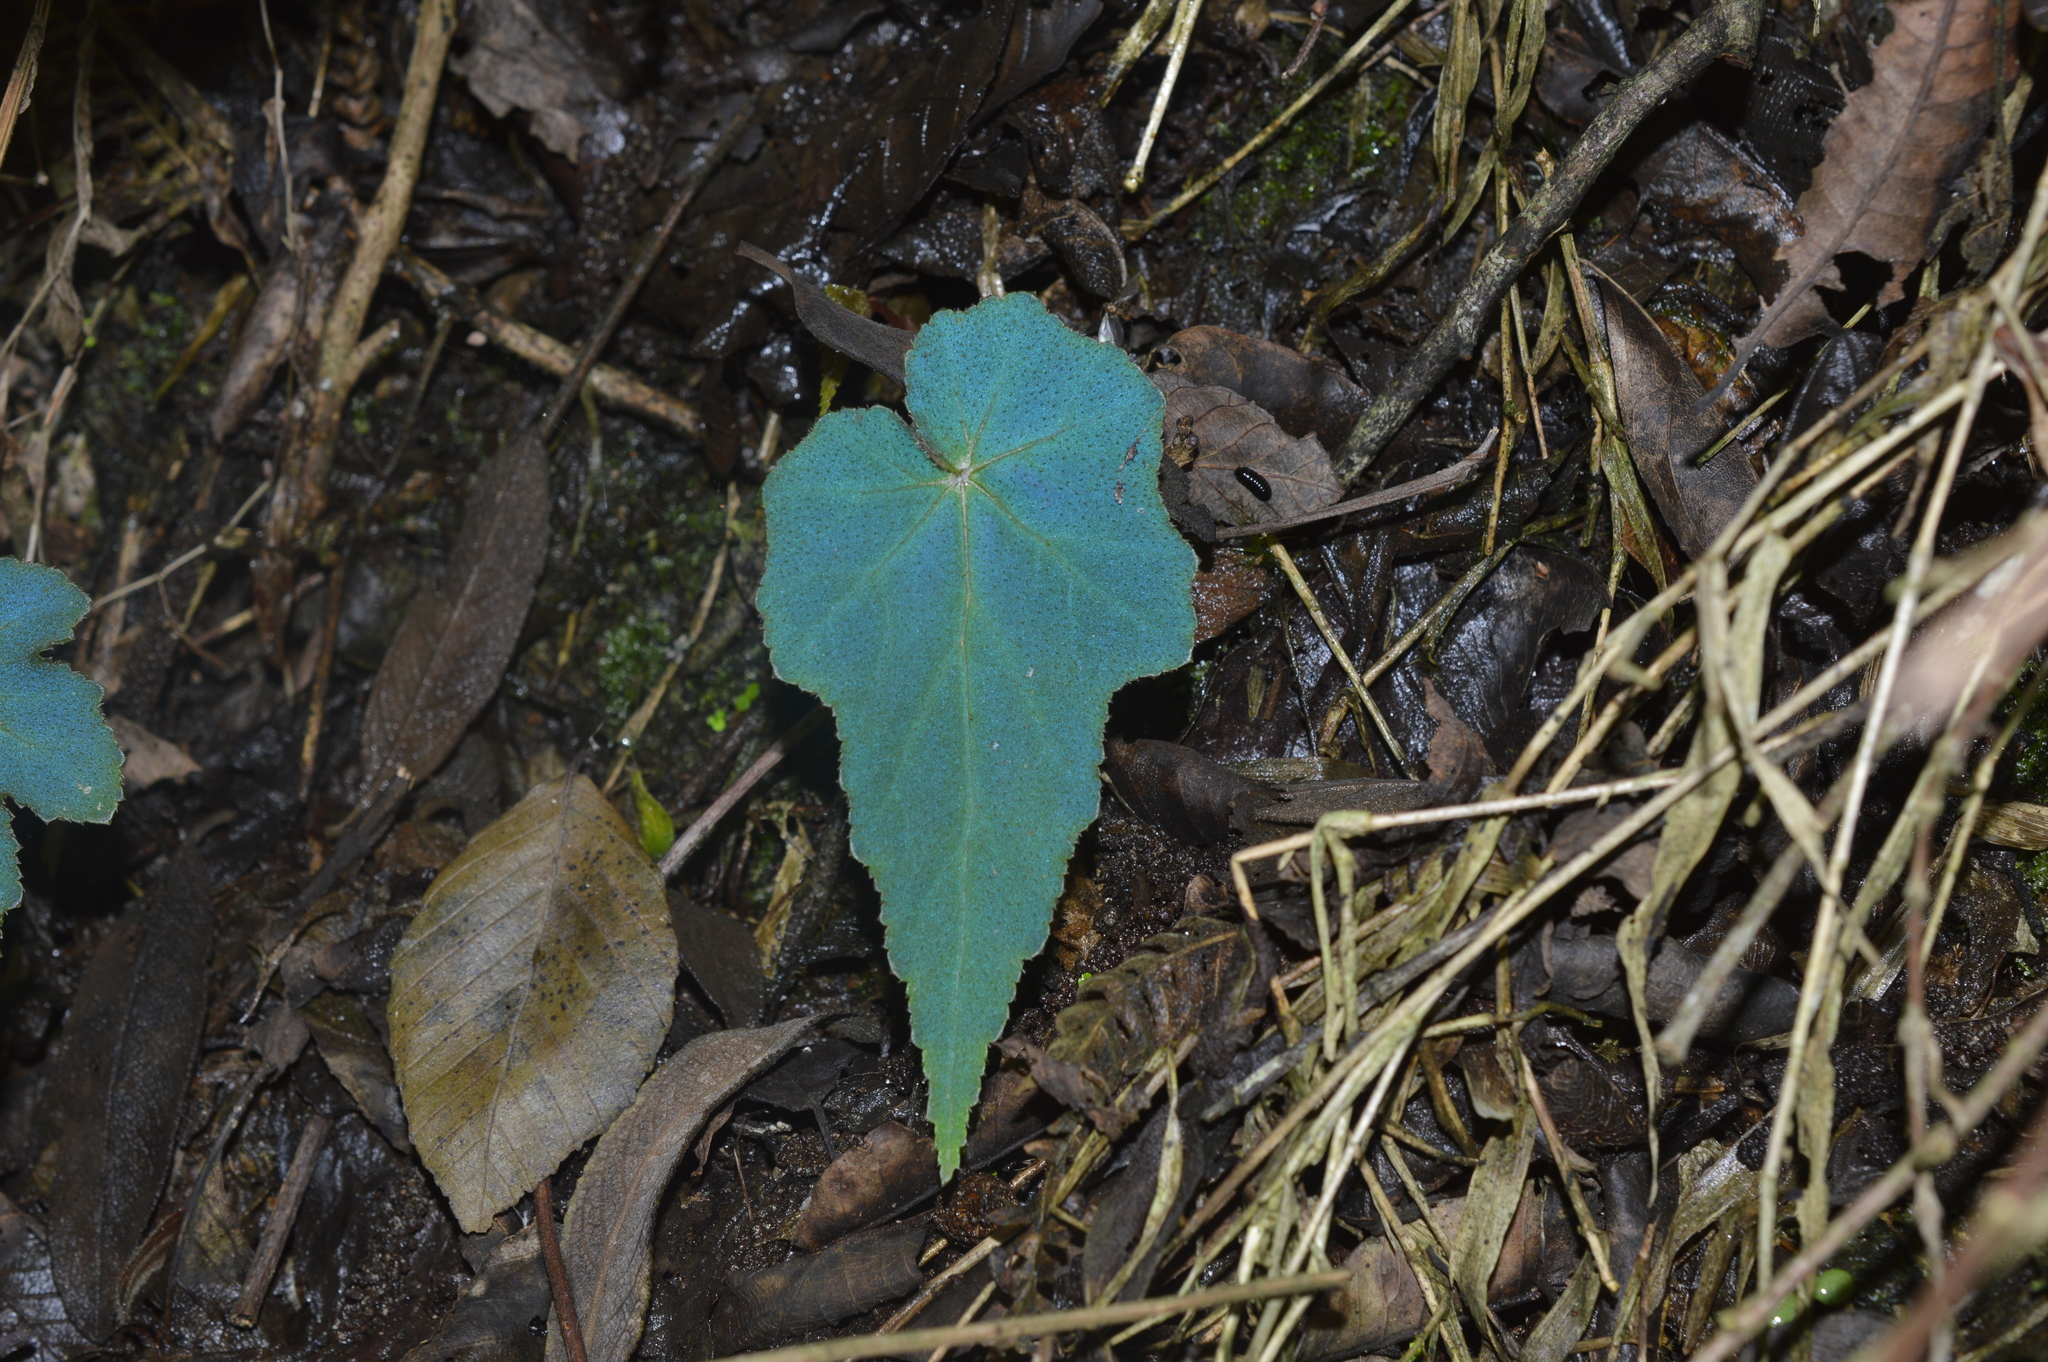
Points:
(529, 995)
(607, 1234)
(814, 1289)
(31, 1312)
(1091, 249)
(1843, 366)
(1701, 181)
(1305, 394)
(1233, 433)
(450, 652)
(720, 952)
(1175, 787)
(1128, 1197)
(1890, 155)
(1586, 974)
(131, 1040)
(493, 1318)
(1490, 651)
(1230, 588)
(862, 174)
(807, 1076)
(1383, 1304)
(891, 1168)
(879, 347)
(355, 1055)
(1658, 398)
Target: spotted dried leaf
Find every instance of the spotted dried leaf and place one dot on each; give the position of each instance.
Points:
(529, 995)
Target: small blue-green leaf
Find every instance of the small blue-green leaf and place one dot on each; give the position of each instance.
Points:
(57, 755)
(966, 595)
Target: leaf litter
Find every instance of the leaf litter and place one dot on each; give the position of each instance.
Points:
(1690, 1001)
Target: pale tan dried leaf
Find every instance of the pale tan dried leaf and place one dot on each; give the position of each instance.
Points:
(530, 995)
(147, 759)
(1889, 156)
(608, 1235)
(2023, 827)
(1979, 642)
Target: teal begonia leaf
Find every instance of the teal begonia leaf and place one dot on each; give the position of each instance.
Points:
(57, 755)
(966, 596)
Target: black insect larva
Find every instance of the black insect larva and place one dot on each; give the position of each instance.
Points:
(1255, 484)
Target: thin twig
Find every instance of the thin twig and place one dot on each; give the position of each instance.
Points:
(558, 1276)
(1429, 484)
(694, 835)
(270, 1250)
(1020, 1327)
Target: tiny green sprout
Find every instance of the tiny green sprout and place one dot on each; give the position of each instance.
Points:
(1083, 977)
(744, 701)
(715, 720)
(1834, 1286)
(657, 829)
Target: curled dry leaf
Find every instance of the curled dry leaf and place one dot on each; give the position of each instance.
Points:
(259, 349)
(450, 652)
(134, 1035)
(880, 347)
(529, 995)
(607, 1238)
(1889, 156)
(517, 61)
(1977, 644)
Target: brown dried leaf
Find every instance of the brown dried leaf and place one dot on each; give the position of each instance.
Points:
(1978, 643)
(450, 653)
(607, 1237)
(355, 1055)
(1383, 1303)
(146, 758)
(134, 1034)
(1658, 399)
(1226, 592)
(1889, 156)
(529, 995)
(891, 1167)
(259, 349)
(1232, 433)
(1307, 395)
(515, 60)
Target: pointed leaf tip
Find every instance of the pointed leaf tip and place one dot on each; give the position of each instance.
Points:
(967, 592)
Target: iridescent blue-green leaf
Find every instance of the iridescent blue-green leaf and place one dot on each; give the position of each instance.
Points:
(57, 756)
(966, 592)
